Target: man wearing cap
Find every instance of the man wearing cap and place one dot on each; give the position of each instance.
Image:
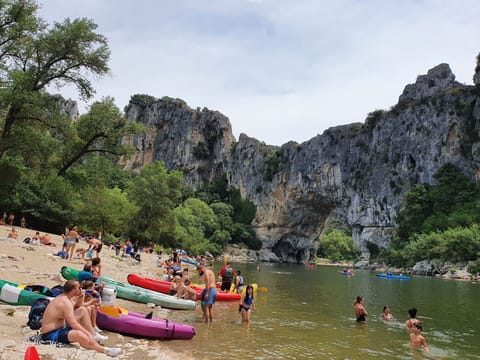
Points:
(226, 276)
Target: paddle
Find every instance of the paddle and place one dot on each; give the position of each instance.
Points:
(262, 289)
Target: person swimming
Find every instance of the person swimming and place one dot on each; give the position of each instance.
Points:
(386, 315)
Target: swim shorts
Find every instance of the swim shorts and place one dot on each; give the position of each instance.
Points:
(58, 335)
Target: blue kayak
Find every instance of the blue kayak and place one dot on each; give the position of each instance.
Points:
(189, 261)
(396, 277)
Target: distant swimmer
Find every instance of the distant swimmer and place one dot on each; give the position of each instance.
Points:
(386, 315)
(359, 309)
(417, 341)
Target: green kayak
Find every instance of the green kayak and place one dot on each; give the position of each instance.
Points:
(12, 294)
(137, 294)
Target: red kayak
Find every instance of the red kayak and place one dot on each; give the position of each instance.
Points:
(164, 287)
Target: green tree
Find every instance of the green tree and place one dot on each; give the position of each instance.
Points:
(196, 223)
(156, 192)
(451, 202)
(34, 57)
(337, 246)
(100, 131)
(106, 210)
(224, 213)
(418, 207)
(243, 209)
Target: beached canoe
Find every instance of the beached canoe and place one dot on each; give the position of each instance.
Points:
(12, 294)
(395, 277)
(137, 294)
(116, 319)
(190, 261)
(164, 287)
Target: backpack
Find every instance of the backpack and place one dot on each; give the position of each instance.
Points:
(62, 254)
(228, 273)
(36, 313)
(57, 290)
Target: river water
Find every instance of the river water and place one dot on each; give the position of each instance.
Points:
(308, 314)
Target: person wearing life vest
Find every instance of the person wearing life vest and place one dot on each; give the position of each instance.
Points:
(239, 282)
(226, 277)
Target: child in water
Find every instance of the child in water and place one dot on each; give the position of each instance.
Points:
(246, 304)
(417, 341)
(386, 315)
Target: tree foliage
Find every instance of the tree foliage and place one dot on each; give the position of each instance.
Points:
(58, 170)
(33, 57)
(336, 245)
(156, 192)
(439, 221)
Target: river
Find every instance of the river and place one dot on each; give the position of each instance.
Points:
(308, 314)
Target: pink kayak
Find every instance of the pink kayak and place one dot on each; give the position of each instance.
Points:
(116, 319)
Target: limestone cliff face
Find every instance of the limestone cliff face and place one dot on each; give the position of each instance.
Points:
(197, 141)
(355, 175)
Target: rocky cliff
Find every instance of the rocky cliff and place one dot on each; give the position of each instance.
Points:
(355, 175)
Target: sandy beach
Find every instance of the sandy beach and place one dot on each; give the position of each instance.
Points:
(35, 264)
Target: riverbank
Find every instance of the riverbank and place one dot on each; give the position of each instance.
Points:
(36, 264)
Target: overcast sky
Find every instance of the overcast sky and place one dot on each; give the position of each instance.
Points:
(280, 70)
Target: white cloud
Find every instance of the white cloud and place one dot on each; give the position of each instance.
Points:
(280, 70)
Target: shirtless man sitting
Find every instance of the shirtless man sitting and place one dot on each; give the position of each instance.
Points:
(61, 323)
(184, 291)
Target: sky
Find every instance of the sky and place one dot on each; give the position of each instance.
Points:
(280, 70)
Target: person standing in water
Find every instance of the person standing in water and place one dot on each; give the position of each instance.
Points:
(246, 304)
(417, 341)
(359, 309)
(209, 294)
(412, 312)
(239, 282)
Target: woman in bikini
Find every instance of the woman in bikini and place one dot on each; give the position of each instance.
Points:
(359, 309)
(246, 304)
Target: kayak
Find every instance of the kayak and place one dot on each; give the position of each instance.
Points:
(188, 261)
(164, 287)
(391, 276)
(137, 294)
(347, 273)
(116, 319)
(232, 288)
(12, 294)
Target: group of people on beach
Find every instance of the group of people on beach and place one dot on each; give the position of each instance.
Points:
(71, 317)
(413, 325)
(10, 220)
